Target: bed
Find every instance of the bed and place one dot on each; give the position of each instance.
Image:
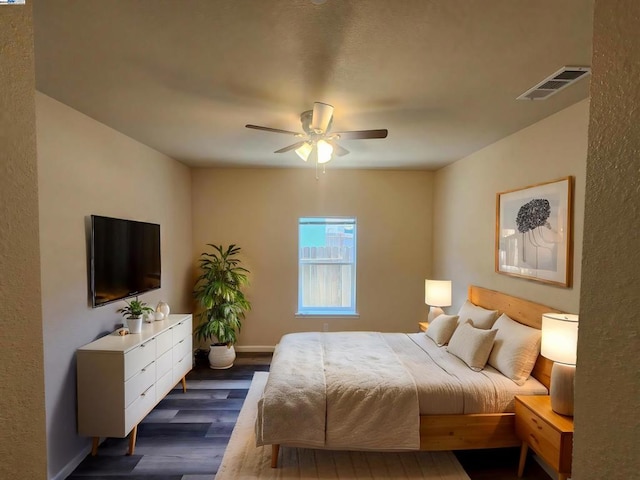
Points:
(414, 417)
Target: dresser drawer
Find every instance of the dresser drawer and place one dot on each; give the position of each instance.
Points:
(164, 364)
(541, 436)
(139, 382)
(164, 385)
(139, 408)
(181, 348)
(181, 330)
(136, 358)
(164, 342)
(182, 367)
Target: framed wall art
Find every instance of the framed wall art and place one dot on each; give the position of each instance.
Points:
(533, 232)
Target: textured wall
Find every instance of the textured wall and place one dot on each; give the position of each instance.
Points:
(23, 447)
(465, 204)
(607, 391)
(258, 209)
(87, 168)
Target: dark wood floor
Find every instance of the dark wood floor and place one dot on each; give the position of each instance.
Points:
(185, 436)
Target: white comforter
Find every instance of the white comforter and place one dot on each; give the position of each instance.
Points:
(338, 390)
(365, 390)
(447, 386)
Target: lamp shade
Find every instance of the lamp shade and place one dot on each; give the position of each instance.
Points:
(321, 117)
(437, 293)
(559, 337)
(304, 150)
(324, 151)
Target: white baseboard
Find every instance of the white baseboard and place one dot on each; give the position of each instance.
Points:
(73, 463)
(255, 348)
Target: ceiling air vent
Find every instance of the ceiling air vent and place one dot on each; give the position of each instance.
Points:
(555, 82)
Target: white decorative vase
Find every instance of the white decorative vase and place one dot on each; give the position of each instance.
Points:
(134, 324)
(163, 307)
(221, 357)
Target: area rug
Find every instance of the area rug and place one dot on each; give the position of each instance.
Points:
(243, 460)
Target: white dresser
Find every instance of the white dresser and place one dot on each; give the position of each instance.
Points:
(121, 378)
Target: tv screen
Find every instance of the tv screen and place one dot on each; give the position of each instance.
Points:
(125, 259)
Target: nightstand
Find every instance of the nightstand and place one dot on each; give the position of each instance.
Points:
(549, 435)
(423, 326)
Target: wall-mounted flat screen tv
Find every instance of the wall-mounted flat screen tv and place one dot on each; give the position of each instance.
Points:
(125, 259)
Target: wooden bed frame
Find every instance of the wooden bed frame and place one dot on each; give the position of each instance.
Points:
(490, 430)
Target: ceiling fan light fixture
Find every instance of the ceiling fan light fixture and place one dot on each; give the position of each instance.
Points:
(304, 151)
(325, 150)
(318, 144)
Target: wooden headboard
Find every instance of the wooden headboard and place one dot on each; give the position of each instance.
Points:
(524, 311)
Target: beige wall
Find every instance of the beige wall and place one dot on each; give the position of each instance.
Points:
(258, 209)
(607, 381)
(87, 168)
(465, 204)
(23, 448)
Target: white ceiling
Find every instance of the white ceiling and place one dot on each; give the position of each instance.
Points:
(184, 77)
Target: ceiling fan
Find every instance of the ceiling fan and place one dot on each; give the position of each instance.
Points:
(318, 142)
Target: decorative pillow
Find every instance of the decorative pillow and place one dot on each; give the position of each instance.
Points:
(441, 329)
(515, 349)
(472, 345)
(481, 317)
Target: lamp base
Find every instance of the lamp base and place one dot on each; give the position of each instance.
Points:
(434, 312)
(561, 391)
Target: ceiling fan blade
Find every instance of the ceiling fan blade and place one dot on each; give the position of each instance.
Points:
(338, 150)
(275, 130)
(295, 146)
(362, 134)
(321, 117)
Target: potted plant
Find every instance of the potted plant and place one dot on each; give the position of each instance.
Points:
(219, 291)
(133, 311)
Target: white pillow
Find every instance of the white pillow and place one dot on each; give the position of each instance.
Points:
(481, 317)
(515, 349)
(472, 345)
(441, 329)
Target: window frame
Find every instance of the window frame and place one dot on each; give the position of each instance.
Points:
(350, 311)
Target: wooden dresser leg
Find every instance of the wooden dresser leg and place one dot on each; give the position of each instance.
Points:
(132, 440)
(523, 458)
(184, 384)
(94, 446)
(275, 449)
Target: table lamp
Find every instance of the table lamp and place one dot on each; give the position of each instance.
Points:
(559, 343)
(437, 294)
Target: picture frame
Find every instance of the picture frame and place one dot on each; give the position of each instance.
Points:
(533, 232)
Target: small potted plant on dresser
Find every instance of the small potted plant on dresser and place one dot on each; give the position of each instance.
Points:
(133, 311)
(219, 291)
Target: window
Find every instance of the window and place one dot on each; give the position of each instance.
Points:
(327, 266)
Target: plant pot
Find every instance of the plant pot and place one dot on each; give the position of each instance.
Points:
(134, 324)
(221, 357)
